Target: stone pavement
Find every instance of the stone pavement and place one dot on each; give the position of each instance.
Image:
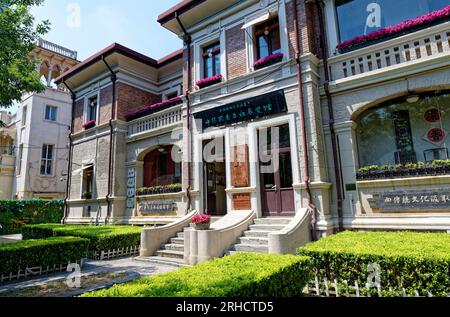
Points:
(133, 269)
(10, 238)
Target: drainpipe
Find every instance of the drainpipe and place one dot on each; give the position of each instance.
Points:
(111, 132)
(187, 39)
(303, 125)
(69, 165)
(337, 171)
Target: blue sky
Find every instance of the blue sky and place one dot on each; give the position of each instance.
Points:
(102, 22)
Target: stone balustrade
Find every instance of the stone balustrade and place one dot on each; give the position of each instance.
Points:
(156, 121)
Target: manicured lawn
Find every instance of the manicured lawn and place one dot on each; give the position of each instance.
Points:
(410, 260)
(240, 275)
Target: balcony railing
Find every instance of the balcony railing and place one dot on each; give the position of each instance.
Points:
(155, 121)
(414, 47)
(57, 49)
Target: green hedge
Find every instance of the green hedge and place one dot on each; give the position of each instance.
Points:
(410, 260)
(14, 214)
(101, 238)
(45, 252)
(240, 275)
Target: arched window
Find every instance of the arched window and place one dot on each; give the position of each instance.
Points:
(160, 168)
(407, 130)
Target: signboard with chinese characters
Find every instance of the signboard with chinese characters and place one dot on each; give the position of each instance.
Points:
(131, 187)
(437, 200)
(157, 207)
(244, 110)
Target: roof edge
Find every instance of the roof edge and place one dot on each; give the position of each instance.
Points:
(179, 9)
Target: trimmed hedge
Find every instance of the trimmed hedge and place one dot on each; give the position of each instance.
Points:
(14, 214)
(410, 260)
(101, 238)
(44, 252)
(239, 275)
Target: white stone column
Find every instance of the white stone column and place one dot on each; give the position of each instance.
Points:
(331, 25)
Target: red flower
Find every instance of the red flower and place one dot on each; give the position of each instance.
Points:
(89, 124)
(153, 108)
(268, 60)
(202, 218)
(202, 83)
(396, 29)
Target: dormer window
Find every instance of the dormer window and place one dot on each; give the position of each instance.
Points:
(267, 38)
(211, 60)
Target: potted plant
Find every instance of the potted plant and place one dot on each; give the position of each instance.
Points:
(86, 195)
(89, 124)
(209, 81)
(202, 221)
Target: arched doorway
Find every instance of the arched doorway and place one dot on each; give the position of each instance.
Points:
(160, 169)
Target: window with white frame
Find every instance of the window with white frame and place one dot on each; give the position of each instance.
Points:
(47, 159)
(267, 37)
(87, 182)
(171, 95)
(50, 113)
(211, 60)
(24, 116)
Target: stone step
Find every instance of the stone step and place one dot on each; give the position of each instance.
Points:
(274, 221)
(170, 254)
(256, 233)
(253, 241)
(173, 247)
(177, 241)
(251, 248)
(162, 260)
(271, 227)
(180, 235)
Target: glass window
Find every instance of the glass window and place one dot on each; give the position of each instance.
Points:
(211, 60)
(403, 132)
(50, 113)
(160, 169)
(92, 109)
(359, 17)
(46, 159)
(267, 38)
(24, 116)
(19, 165)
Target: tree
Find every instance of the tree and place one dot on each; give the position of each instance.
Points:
(18, 37)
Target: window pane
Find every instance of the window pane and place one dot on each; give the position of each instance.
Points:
(263, 47)
(47, 113)
(44, 151)
(53, 116)
(358, 17)
(50, 152)
(285, 170)
(49, 167)
(402, 132)
(208, 71)
(43, 167)
(216, 64)
(275, 41)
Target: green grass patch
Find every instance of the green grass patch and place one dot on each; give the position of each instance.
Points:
(101, 238)
(43, 252)
(410, 260)
(240, 275)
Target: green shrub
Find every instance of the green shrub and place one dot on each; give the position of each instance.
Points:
(101, 238)
(44, 252)
(410, 260)
(240, 275)
(14, 214)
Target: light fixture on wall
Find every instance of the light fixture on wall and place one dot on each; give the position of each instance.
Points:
(412, 98)
(161, 149)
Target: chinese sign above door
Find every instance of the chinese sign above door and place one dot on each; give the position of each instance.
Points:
(244, 110)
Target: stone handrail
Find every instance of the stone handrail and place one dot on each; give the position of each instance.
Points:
(203, 245)
(57, 49)
(153, 238)
(296, 234)
(155, 121)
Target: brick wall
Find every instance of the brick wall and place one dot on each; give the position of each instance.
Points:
(236, 52)
(105, 104)
(78, 116)
(130, 99)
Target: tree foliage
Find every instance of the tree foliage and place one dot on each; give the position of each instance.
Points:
(18, 36)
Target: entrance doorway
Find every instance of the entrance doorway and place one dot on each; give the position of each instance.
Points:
(277, 192)
(214, 178)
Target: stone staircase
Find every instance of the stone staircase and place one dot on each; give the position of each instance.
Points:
(256, 238)
(170, 253)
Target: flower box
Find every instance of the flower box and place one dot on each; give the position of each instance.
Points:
(438, 167)
(89, 124)
(201, 221)
(202, 83)
(153, 108)
(389, 32)
(86, 195)
(158, 190)
(268, 60)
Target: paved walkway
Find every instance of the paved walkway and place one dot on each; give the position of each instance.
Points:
(10, 238)
(133, 269)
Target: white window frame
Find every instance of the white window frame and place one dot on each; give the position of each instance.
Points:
(280, 10)
(84, 168)
(46, 159)
(167, 92)
(45, 113)
(217, 36)
(86, 105)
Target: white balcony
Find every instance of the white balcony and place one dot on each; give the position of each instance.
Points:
(154, 123)
(56, 49)
(417, 47)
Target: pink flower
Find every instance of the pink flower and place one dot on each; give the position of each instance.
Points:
(268, 60)
(89, 124)
(396, 29)
(145, 111)
(202, 218)
(202, 83)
